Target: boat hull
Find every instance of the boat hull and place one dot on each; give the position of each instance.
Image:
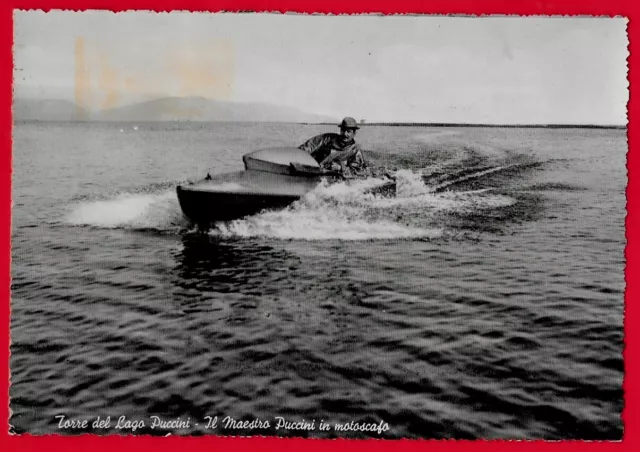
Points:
(205, 208)
(273, 178)
(233, 196)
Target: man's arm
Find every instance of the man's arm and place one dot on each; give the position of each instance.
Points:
(349, 158)
(359, 158)
(315, 143)
(355, 158)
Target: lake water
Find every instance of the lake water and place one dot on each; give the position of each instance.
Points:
(490, 309)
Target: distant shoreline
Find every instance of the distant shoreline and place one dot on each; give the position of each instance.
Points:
(514, 126)
(369, 124)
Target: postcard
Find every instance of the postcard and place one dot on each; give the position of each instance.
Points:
(318, 226)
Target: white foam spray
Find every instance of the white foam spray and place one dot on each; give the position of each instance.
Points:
(350, 211)
(319, 224)
(340, 211)
(133, 211)
(409, 184)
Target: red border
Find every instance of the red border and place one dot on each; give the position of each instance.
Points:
(626, 8)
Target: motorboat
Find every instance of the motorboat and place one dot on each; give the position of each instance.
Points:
(273, 178)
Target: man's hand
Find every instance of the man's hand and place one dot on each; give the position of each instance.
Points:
(358, 169)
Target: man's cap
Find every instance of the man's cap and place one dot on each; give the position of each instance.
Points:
(349, 123)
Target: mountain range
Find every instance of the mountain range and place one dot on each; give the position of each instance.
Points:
(163, 109)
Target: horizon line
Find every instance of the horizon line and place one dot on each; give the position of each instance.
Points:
(485, 124)
(362, 125)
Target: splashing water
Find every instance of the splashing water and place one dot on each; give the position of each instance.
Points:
(350, 211)
(409, 183)
(331, 211)
(131, 211)
(319, 224)
(411, 191)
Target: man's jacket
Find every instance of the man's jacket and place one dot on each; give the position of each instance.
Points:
(331, 148)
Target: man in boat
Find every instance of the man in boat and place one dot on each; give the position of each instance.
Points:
(338, 151)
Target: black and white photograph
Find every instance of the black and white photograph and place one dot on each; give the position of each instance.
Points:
(318, 226)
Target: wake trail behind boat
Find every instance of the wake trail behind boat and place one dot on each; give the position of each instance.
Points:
(353, 211)
(444, 185)
(343, 211)
(440, 181)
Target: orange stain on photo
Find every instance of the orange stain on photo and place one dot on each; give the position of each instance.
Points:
(204, 72)
(191, 71)
(82, 81)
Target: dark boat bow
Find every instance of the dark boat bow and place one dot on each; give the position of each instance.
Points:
(273, 178)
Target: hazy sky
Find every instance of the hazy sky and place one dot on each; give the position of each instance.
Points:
(398, 68)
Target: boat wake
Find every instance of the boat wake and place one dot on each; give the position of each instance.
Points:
(350, 210)
(354, 211)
